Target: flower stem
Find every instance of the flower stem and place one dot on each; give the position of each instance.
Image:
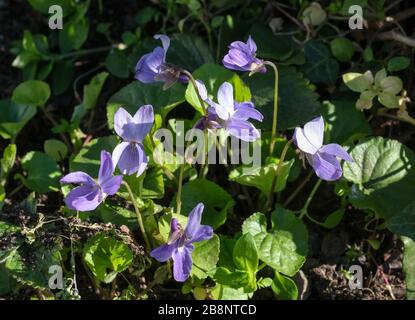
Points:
(275, 178)
(139, 218)
(204, 165)
(303, 211)
(275, 114)
(179, 189)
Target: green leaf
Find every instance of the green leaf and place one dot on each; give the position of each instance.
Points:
(226, 252)
(284, 247)
(358, 82)
(32, 92)
(74, 34)
(409, 267)
(221, 292)
(89, 157)
(5, 283)
(344, 123)
(314, 14)
(189, 52)
(7, 162)
(213, 76)
(59, 83)
(106, 257)
(116, 62)
(398, 64)
(245, 257)
(13, 117)
(385, 184)
(116, 214)
(44, 70)
(391, 85)
(24, 58)
(2, 197)
(342, 49)
(389, 100)
(378, 162)
(145, 15)
(136, 94)
(294, 109)
(205, 257)
(262, 177)
(42, 172)
(380, 76)
(55, 149)
(368, 54)
(320, 67)
(93, 89)
(334, 218)
(232, 278)
(284, 287)
(245, 254)
(33, 272)
(153, 185)
(403, 223)
(7, 228)
(217, 201)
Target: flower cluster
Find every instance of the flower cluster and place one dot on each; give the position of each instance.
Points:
(225, 113)
(129, 156)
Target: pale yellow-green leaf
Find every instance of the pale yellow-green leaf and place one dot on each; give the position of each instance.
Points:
(388, 100)
(356, 82)
(392, 85)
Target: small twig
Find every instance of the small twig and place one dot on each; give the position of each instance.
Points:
(393, 4)
(285, 13)
(392, 35)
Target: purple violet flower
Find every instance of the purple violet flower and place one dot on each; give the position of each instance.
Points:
(91, 193)
(242, 57)
(152, 67)
(228, 114)
(129, 155)
(323, 158)
(179, 246)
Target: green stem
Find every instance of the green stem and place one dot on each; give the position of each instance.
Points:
(83, 52)
(202, 103)
(202, 173)
(179, 189)
(275, 113)
(407, 119)
(139, 218)
(208, 31)
(268, 204)
(262, 266)
(303, 211)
